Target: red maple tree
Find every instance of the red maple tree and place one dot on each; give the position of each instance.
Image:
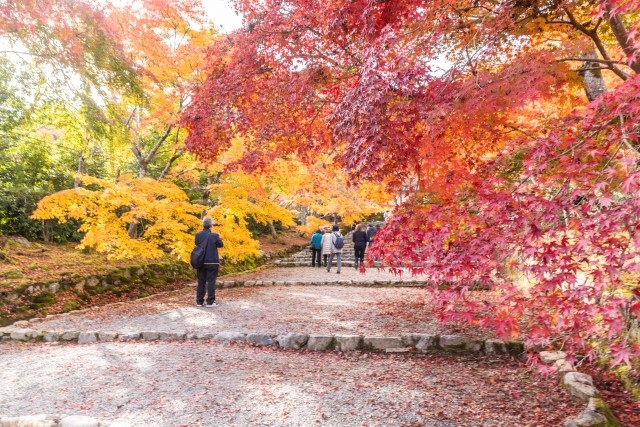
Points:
(510, 128)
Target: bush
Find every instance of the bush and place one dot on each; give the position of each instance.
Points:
(15, 208)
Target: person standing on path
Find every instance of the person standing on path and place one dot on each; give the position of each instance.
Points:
(316, 249)
(360, 240)
(208, 274)
(334, 251)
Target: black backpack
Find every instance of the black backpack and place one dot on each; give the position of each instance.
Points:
(339, 242)
(197, 254)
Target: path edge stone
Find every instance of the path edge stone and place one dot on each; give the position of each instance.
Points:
(414, 342)
(580, 386)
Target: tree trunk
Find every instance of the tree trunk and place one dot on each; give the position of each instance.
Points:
(622, 36)
(76, 181)
(273, 230)
(46, 235)
(304, 211)
(142, 169)
(132, 231)
(592, 76)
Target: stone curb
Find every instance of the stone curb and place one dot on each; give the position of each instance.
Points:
(221, 284)
(418, 343)
(579, 385)
(44, 420)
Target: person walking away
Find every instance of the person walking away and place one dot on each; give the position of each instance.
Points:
(326, 246)
(208, 274)
(360, 240)
(316, 249)
(371, 231)
(334, 251)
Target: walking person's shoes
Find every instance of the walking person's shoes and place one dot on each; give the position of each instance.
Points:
(199, 304)
(213, 304)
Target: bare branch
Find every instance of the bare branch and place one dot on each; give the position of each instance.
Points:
(593, 35)
(622, 35)
(159, 142)
(176, 155)
(604, 61)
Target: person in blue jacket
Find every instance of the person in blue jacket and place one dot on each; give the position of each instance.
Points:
(316, 249)
(209, 271)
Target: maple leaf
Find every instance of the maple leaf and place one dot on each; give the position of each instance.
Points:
(620, 355)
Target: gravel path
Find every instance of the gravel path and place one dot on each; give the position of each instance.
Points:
(213, 384)
(305, 309)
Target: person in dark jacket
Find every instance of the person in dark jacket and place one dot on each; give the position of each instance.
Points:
(371, 231)
(209, 271)
(360, 240)
(316, 248)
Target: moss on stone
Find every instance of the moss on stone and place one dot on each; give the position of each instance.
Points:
(43, 299)
(602, 408)
(22, 288)
(514, 348)
(97, 290)
(71, 305)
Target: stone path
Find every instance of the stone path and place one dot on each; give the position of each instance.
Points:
(317, 309)
(308, 274)
(210, 383)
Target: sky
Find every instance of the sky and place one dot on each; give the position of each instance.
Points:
(222, 14)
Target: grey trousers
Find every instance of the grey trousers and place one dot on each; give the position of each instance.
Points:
(339, 261)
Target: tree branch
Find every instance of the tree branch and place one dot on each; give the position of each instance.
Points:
(619, 30)
(155, 148)
(593, 35)
(176, 155)
(19, 52)
(603, 61)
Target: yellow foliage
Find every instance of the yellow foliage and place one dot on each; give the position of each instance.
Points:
(237, 239)
(243, 195)
(240, 195)
(325, 190)
(313, 223)
(162, 209)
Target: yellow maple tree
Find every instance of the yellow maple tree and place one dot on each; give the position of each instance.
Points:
(313, 223)
(238, 196)
(106, 209)
(324, 190)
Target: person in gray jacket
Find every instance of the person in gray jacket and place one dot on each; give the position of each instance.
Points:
(331, 237)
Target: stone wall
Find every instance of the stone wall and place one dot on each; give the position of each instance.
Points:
(71, 293)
